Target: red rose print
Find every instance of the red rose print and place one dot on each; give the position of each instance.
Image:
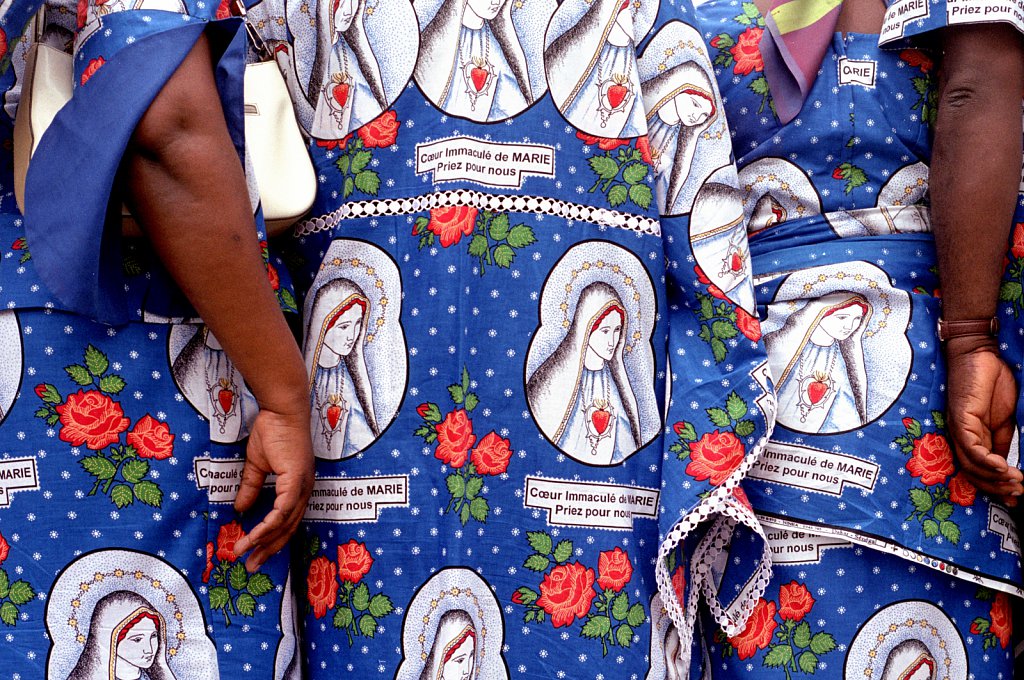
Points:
(643, 145)
(716, 42)
(679, 428)
(228, 535)
(758, 633)
(795, 601)
(714, 456)
(455, 438)
(837, 173)
(961, 491)
(151, 438)
(322, 586)
(932, 460)
(5, 549)
(3, 43)
(209, 562)
(19, 244)
(491, 455)
(1018, 240)
(91, 418)
(716, 292)
(603, 143)
(452, 223)
(517, 597)
(747, 52)
(272, 276)
(908, 422)
(380, 132)
(566, 593)
(1002, 624)
(91, 68)
(975, 629)
(354, 561)
(679, 583)
(40, 391)
(422, 410)
(614, 569)
(748, 324)
(917, 58)
(224, 9)
(331, 144)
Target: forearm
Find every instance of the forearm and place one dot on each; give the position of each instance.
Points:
(187, 188)
(976, 163)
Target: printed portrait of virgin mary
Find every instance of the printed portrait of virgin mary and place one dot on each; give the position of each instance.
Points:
(126, 615)
(908, 640)
(342, 79)
(818, 359)
(680, 106)
(10, 361)
(210, 382)
(590, 61)
(581, 395)
(126, 641)
(453, 630)
(340, 391)
(453, 656)
(473, 63)
(719, 242)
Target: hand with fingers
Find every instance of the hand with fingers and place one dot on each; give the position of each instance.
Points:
(982, 400)
(279, 444)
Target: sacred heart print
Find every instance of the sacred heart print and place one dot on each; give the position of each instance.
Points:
(354, 348)
(837, 344)
(482, 61)
(590, 368)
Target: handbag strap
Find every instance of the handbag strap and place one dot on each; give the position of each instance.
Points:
(259, 45)
(37, 24)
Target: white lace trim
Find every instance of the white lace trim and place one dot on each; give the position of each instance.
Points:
(542, 205)
(723, 505)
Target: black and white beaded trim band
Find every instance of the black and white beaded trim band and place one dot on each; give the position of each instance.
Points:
(482, 201)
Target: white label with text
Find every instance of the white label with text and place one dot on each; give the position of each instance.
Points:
(857, 72)
(589, 504)
(17, 474)
(974, 11)
(460, 159)
(806, 468)
(1001, 524)
(899, 15)
(222, 477)
(356, 499)
(799, 547)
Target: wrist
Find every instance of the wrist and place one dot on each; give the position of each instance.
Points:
(970, 344)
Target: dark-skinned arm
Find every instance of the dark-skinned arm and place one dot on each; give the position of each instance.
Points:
(974, 183)
(186, 186)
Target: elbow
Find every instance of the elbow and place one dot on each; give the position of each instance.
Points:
(185, 113)
(973, 98)
(962, 92)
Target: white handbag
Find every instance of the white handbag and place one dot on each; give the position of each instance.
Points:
(46, 87)
(280, 160)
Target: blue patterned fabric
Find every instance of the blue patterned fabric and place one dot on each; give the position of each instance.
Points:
(535, 374)
(847, 288)
(508, 281)
(120, 445)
